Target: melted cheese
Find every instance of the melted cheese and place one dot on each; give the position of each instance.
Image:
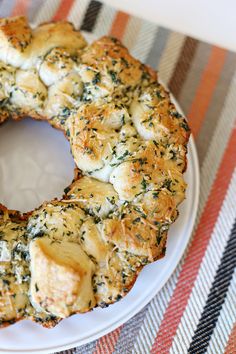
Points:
(52, 35)
(29, 92)
(59, 220)
(61, 277)
(92, 135)
(95, 197)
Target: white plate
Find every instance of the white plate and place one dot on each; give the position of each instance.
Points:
(35, 164)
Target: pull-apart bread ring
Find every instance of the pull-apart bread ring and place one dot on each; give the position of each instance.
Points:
(129, 144)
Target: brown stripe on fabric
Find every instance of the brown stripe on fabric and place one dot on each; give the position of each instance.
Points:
(91, 15)
(63, 10)
(104, 21)
(183, 65)
(194, 75)
(216, 105)
(231, 345)
(119, 25)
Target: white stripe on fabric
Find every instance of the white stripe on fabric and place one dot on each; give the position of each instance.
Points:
(87, 348)
(131, 32)
(77, 12)
(152, 320)
(46, 11)
(170, 56)
(128, 333)
(207, 272)
(210, 165)
(104, 21)
(225, 322)
(144, 41)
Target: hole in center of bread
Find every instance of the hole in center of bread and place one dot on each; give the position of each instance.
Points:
(35, 164)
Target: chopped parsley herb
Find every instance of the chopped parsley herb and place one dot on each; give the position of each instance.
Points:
(135, 221)
(173, 155)
(144, 184)
(6, 282)
(167, 184)
(185, 126)
(114, 76)
(159, 237)
(123, 120)
(155, 195)
(96, 79)
(145, 76)
(124, 155)
(66, 190)
(139, 237)
(88, 150)
(65, 112)
(125, 62)
(39, 233)
(158, 94)
(155, 143)
(119, 297)
(176, 114)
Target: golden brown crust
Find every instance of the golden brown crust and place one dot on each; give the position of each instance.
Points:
(129, 144)
(108, 63)
(18, 35)
(15, 32)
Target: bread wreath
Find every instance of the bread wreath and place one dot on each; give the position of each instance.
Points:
(129, 144)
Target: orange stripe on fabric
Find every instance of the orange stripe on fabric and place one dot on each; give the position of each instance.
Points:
(231, 345)
(196, 251)
(205, 90)
(107, 343)
(20, 8)
(63, 10)
(119, 25)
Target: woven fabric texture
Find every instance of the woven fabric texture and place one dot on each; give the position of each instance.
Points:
(195, 312)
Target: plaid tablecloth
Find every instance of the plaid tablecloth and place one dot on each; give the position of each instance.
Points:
(195, 311)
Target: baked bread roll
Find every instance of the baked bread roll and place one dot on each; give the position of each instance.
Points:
(129, 144)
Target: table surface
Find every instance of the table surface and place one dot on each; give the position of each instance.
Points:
(213, 21)
(195, 312)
